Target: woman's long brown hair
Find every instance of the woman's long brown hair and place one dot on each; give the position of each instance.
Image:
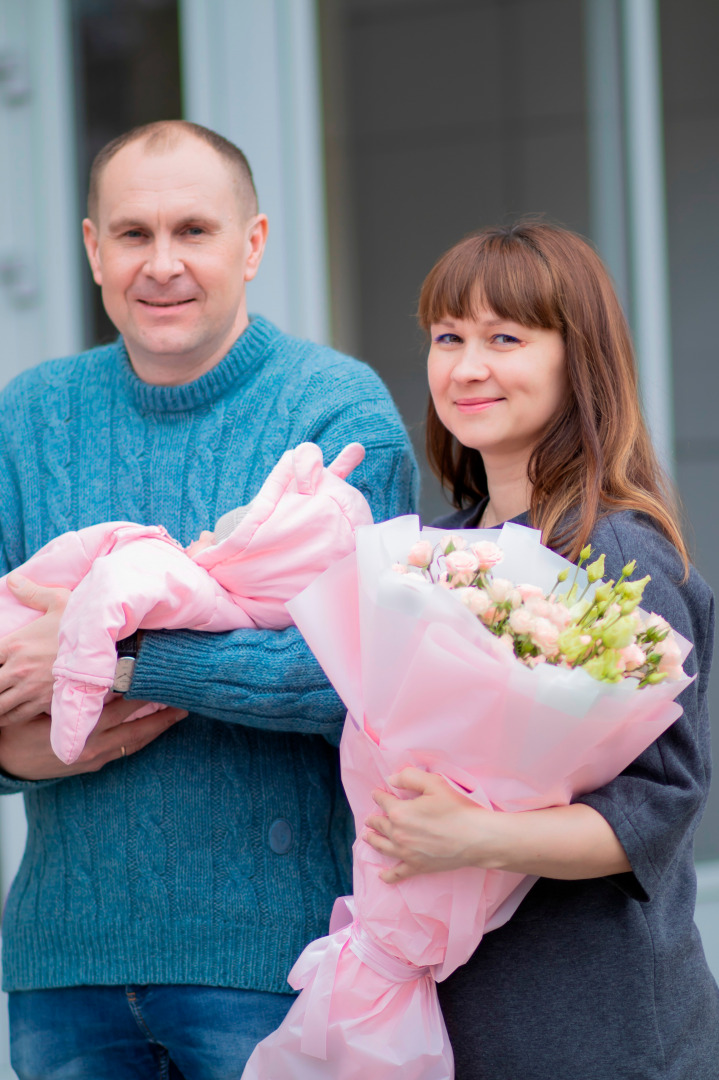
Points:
(596, 456)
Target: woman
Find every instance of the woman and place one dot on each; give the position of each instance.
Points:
(534, 417)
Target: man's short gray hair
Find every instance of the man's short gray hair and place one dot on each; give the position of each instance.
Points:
(163, 135)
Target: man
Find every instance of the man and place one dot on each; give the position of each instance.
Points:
(166, 893)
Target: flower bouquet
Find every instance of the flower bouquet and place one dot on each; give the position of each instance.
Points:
(523, 692)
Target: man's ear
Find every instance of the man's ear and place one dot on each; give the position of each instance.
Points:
(89, 236)
(257, 228)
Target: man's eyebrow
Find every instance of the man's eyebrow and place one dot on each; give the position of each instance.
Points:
(119, 224)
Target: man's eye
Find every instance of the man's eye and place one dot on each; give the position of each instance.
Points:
(132, 234)
(194, 230)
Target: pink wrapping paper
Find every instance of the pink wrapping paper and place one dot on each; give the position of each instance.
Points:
(427, 685)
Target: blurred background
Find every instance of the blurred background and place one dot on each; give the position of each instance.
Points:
(380, 132)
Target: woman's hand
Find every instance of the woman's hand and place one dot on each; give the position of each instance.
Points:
(436, 830)
(441, 829)
(26, 754)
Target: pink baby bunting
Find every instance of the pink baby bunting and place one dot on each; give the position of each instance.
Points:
(125, 576)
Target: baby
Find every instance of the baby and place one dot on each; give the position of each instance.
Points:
(124, 577)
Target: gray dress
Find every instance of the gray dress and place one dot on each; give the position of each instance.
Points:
(606, 979)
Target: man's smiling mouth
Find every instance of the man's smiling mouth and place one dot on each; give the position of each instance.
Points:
(165, 303)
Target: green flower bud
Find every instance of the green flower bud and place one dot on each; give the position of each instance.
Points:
(603, 593)
(595, 570)
(605, 667)
(653, 678)
(634, 590)
(570, 644)
(585, 553)
(619, 634)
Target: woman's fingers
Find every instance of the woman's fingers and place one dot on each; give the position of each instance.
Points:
(399, 872)
(380, 823)
(113, 738)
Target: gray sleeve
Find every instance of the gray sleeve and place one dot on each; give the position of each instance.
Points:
(659, 798)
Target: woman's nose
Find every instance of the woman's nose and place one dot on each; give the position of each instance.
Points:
(472, 365)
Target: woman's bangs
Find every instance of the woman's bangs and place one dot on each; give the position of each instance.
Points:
(500, 273)
(515, 283)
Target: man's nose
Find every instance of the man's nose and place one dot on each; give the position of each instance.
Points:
(162, 262)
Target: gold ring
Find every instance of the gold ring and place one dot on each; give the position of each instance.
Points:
(123, 751)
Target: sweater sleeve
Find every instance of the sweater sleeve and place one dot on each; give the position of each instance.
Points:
(660, 797)
(11, 556)
(270, 679)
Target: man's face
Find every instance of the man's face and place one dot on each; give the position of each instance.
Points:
(172, 248)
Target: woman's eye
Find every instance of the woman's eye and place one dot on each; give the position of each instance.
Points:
(448, 339)
(505, 339)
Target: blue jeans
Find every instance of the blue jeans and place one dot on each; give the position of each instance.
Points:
(143, 1032)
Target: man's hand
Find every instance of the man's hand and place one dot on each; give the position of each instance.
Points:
(26, 754)
(27, 655)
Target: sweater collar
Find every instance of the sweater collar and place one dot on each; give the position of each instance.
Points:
(244, 358)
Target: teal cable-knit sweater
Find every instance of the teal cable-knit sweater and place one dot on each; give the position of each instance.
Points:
(213, 855)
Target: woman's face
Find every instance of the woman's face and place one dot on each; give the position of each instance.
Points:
(496, 385)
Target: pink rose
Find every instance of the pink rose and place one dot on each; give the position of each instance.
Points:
(463, 566)
(538, 606)
(522, 621)
(656, 622)
(544, 636)
(501, 590)
(525, 591)
(487, 553)
(633, 657)
(558, 614)
(477, 601)
(458, 542)
(421, 554)
(671, 658)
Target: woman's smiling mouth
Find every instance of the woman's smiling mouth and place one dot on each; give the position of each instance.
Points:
(473, 405)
